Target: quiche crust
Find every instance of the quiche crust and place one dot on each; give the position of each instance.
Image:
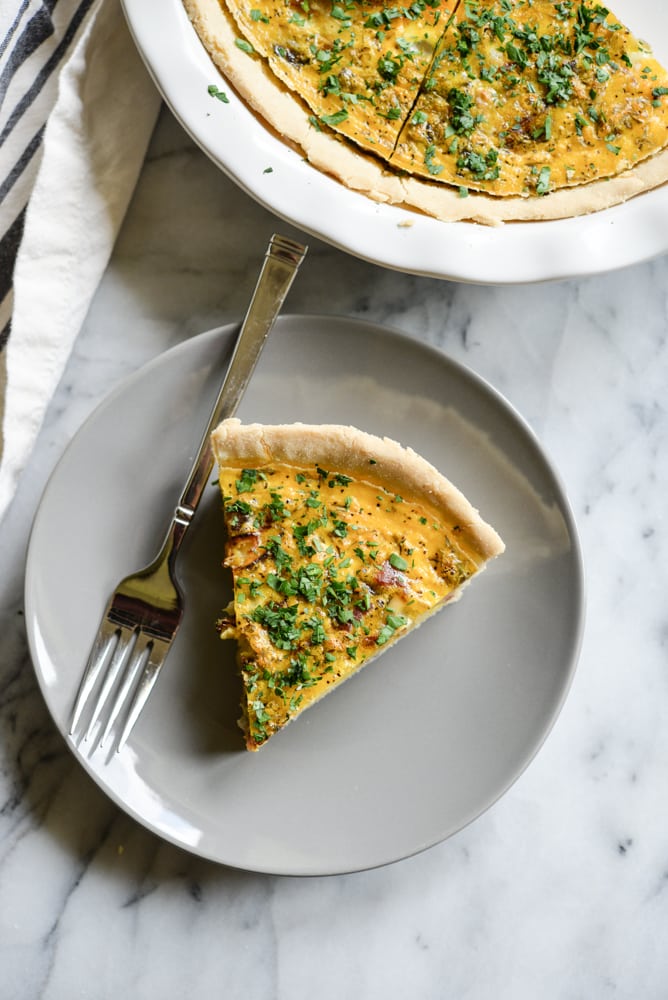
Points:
(340, 543)
(287, 113)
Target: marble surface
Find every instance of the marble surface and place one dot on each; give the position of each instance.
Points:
(561, 889)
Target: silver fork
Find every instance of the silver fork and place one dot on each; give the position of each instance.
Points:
(145, 610)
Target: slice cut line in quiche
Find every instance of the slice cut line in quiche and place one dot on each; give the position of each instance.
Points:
(339, 543)
(357, 64)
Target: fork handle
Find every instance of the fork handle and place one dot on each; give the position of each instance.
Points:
(279, 268)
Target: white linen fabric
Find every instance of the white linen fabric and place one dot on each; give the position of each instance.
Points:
(77, 108)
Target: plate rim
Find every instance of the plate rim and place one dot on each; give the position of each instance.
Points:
(462, 371)
(514, 253)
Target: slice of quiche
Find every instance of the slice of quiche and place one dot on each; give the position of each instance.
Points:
(528, 96)
(339, 543)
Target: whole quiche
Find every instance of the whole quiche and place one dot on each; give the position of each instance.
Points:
(488, 110)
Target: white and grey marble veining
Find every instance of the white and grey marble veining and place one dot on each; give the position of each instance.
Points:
(560, 891)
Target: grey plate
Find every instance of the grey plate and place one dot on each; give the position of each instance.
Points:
(410, 750)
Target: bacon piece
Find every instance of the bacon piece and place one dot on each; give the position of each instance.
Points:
(243, 550)
(388, 576)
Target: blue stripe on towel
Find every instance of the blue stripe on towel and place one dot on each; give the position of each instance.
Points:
(34, 46)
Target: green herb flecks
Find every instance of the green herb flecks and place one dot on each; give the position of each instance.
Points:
(247, 480)
(429, 154)
(335, 119)
(392, 624)
(543, 185)
(219, 94)
(483, 166)
(462, 121)
(245, 46)
(397, 561)
(280, 622)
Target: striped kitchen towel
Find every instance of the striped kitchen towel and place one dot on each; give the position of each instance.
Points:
(77, 109)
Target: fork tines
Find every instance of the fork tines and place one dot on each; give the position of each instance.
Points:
(120, 673)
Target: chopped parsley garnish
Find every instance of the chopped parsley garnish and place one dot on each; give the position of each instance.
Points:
(429, 154)
(340, 528)
(336, 118)
(276, 509)
(245, 46)
(215, 91)
(247, 481)
(238, 507)
(397, 561)
(462, 121)
(389, 67)
(483, 166)
(280, 622)
(556, 75)
(392, 623)
(543, 185)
